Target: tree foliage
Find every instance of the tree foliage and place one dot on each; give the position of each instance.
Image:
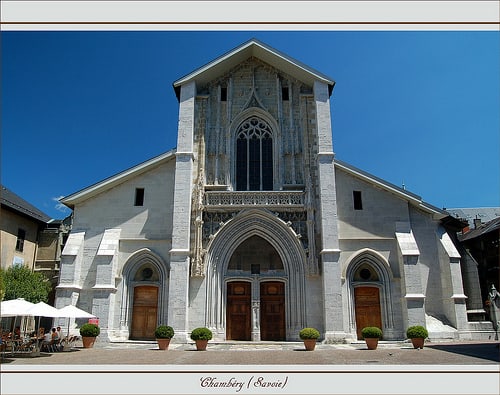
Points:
(21, 282)
(2, 283)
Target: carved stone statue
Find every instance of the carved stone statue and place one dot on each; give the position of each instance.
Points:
(494, 299)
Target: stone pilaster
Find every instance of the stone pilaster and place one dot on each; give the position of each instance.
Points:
(413, 309)
(180, 252)
(103, 302)
(329, 255)
(454, 297)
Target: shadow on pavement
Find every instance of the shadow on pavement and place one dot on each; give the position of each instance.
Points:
(489, 351)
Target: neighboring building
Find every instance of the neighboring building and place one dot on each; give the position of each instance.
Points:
(253, 228)
(30, 237)
(20, 225)
(482, 243)
(478, 243)
(51, 242)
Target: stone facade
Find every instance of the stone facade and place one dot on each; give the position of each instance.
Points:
(252, 228)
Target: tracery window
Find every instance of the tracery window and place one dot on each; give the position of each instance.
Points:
(254, 156)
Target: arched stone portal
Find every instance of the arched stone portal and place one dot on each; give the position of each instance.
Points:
(369, 287)
(144, 295)
(290, 254)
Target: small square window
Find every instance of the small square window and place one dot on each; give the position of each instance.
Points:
(284, 94)
(223, 94)
(255, 268)
(358, 203)
(139, 197)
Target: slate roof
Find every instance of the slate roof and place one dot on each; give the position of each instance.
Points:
(481, 230)
(485, 214)
(14, 202)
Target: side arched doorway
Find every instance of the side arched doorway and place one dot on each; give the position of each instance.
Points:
(369, 284)
(144, 312)
(144, 295)
(367, 308)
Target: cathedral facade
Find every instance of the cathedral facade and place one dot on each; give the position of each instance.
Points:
(252, 228)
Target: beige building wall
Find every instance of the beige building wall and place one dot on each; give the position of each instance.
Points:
(10, 224)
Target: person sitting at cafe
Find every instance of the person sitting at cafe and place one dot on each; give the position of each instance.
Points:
(17, 333)
(59, 333)
(41, 333)
(54, 335)
(2, 342)
(46, 341)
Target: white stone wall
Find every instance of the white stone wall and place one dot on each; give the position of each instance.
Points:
(113, 213)
(422, 277)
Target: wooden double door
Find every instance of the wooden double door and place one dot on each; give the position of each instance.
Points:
(239, 311)
(144, 313)
(367, 307)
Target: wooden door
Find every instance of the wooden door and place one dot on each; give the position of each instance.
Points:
(272, 311)
(367, 305)
(144, 313)
(238, 312)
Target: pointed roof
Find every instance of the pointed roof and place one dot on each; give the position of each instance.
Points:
(410, 197)
(116, 179)
(14, 202)
(254, 48)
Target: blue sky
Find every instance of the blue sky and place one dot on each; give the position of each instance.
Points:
(419, 108)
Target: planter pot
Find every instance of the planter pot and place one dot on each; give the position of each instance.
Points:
(418, 342)
(163, 343)
(310, 344)
(201, 345)
(372, 343)
(88, 342)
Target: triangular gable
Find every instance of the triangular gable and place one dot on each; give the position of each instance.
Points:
(117, 179)
(254, 48)
(411, 198)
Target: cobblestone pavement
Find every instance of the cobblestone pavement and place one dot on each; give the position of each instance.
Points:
(268, 353)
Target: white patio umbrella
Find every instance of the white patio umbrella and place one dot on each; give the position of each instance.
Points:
(15, 307)
(42, 309)
(71, 311)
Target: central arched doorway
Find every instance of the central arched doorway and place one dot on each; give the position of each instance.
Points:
(255, 247)
(272, 310)
(255, 298)
(239, 310)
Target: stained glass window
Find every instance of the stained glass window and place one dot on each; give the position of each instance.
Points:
(254, 156)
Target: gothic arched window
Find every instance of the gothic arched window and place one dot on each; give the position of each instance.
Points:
(254, 156)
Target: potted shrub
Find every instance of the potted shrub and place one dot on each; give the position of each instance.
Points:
(417, 334)
(371, 334)
(163, 334)
(309, 336)
(89, 332)
(201, 336)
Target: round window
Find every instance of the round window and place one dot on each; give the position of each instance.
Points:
(147, 273)
(365, 274)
